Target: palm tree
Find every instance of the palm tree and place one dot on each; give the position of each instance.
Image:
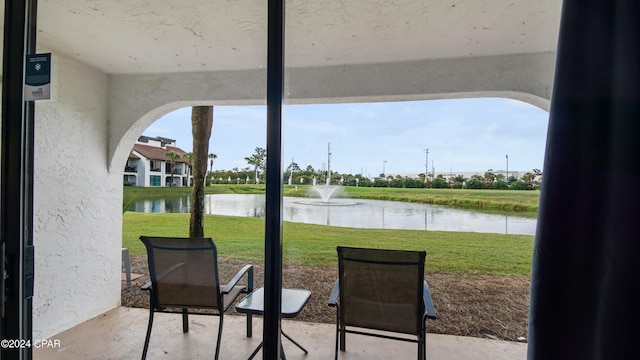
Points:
(189, 157)
(172, 157)
(201, 123)
(212, 157)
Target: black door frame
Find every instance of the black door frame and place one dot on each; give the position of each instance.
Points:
(16, 176)
(274, 184)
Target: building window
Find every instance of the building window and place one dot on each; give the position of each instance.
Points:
(155, 165)
(154, 180)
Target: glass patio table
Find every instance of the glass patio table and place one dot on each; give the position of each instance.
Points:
(293, 301)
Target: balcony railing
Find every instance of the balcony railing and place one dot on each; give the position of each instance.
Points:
(133, 169)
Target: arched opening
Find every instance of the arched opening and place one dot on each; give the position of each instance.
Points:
(481, 128)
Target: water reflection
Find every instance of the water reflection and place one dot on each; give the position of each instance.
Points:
(353, 213)
(181, 204)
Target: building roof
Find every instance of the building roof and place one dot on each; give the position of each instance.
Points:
(162, 140)
(158, 153)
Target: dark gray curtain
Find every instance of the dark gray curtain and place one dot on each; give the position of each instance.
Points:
(586, 262)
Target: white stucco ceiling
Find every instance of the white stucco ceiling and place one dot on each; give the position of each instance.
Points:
(158, 36)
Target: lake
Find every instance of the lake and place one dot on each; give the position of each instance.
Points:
(356, 213)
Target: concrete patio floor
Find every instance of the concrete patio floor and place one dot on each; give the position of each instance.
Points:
(119, 334)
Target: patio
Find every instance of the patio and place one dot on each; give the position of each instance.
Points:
(119, 334)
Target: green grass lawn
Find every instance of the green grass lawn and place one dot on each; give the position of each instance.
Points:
(307, 244)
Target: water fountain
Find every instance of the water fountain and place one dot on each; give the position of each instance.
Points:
(325, 192)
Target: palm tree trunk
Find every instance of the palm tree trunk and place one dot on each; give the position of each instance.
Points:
(201, 123)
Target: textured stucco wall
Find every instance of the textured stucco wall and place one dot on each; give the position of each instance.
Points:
(77, 215)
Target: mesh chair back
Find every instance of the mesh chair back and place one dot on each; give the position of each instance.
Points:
(381, 289)
(184, 272)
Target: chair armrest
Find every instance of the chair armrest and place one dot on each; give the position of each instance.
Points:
(429, 310)
(333, 298)
(248, 270)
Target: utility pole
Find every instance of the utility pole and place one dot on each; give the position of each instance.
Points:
(426, 164)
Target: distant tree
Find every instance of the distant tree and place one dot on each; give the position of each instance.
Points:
(258, 160)
(488, 178)
(528, 179)
(189, 157)
(172, 158)
(459, 178)
(458, 181)
(293, 167)
(212, 157)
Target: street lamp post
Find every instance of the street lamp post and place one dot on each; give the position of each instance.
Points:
(383, 166)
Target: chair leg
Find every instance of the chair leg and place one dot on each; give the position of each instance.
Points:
(185, 321)
(337, 329)
(422, 346)
(282, 355)
(219, 337)
(146, 339)
(249, 325)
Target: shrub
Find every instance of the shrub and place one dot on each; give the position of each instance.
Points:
(380, 183)
(500, 184)
(457, 185)
(474, 183)
(519, 185)
(413, 183)
(439, 183)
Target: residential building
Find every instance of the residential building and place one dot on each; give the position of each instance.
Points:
(148, 164)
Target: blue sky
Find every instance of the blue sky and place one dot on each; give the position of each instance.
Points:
(462, 135)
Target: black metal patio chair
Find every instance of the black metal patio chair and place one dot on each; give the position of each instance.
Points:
(379, 293)
(184, 277)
